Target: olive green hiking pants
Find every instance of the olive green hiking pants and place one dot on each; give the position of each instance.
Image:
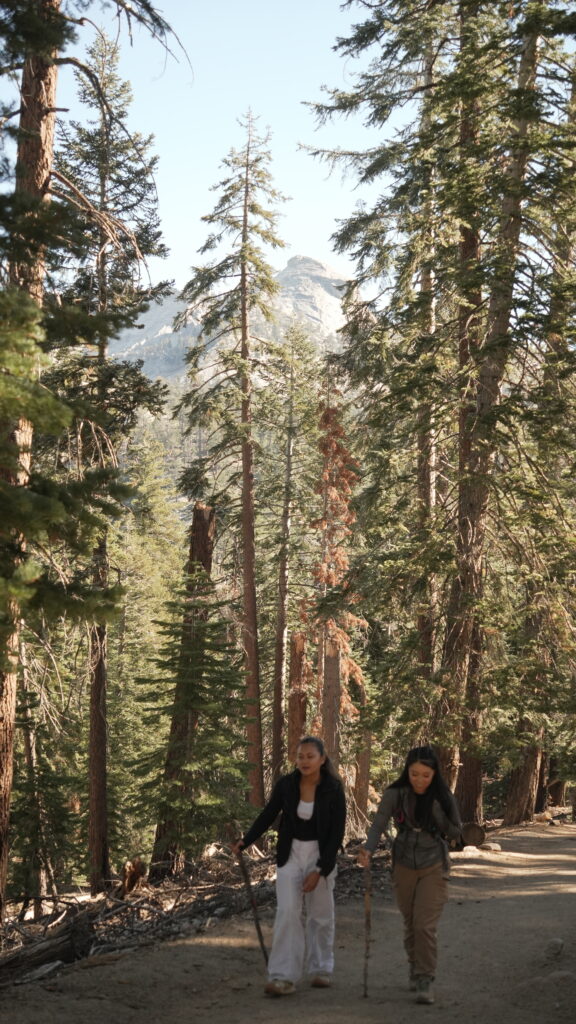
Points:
(420, 894)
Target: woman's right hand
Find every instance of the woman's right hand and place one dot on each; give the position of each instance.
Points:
(364, 857)
(237, 847)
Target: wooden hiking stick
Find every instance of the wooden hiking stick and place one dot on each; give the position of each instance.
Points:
(367, 922)
(248, 885)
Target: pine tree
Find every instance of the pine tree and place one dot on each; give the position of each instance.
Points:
(467, 171)
(34, 35)
(113, 172)
(226, 293)
(290, 377)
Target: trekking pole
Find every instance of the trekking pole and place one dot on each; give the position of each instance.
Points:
(250, 892)
(367, 922)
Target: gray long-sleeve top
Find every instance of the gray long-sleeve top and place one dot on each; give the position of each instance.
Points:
(414, 847)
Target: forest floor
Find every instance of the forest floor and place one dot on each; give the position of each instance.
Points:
(507, 955)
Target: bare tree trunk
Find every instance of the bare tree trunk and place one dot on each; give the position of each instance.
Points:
(250, 620)
(297, 694)
(33, 168)
(281, 643)
(168, 855)
(331, 701)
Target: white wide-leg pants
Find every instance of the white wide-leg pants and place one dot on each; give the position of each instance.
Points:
(295, 945)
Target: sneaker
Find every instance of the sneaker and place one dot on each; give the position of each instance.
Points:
(425, 991)
(279, 987)
(321, 981)
(412, 980)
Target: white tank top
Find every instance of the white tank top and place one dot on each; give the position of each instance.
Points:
(305, 809)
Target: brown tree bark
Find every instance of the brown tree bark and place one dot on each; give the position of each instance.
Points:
(297, 694)
(542, 790)
(331, 701)
(168, 855)
(33, 168)
(250, 619)
(468, 790)
(41, 871)
(281, 641)
(523, 787)
(483, 369)
(557, 793)
(98, 852)
(98, 846)
(363, 759)
(69, 941)
(427, 473)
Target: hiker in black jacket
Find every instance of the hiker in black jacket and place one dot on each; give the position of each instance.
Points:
(426, 818)
(311, 803)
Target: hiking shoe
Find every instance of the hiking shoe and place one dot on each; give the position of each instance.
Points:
(425, 992)
(279, 987)
(412, 980)
(321, 981)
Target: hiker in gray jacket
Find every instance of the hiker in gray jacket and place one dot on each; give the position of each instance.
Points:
(426, 818)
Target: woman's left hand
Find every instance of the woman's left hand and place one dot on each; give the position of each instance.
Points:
(311, 881)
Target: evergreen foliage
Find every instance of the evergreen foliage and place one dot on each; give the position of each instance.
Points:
(225, 293)
(450, 354)
(197, 782)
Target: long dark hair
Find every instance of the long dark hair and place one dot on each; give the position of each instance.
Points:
(438, 788)
(327, 768)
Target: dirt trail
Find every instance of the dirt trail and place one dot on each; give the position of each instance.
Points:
(500, 960)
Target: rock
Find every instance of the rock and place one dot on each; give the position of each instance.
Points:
(560, 978)
(554, 948)
(493, 847)
(308, 294)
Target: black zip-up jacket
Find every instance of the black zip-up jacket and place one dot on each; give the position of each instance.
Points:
(329, 808)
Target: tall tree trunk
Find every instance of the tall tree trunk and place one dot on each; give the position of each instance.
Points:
(557, 793)
(543, 778)
(99, 857)
(476, 435)
(250, 619)
(523, 785)
(468, 790)
(281, 642)
(556, 787)
(363, 759)
(427, 617)
(168, 855)
(297, 694)
(33, 168)
(41, 871)
(331, 701)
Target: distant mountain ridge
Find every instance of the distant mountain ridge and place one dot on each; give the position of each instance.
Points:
(309, 295)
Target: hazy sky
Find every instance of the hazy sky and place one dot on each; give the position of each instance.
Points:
(267, 55)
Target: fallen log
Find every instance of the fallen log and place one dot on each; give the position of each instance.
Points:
(70, 941)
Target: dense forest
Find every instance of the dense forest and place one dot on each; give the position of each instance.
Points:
(375, 544)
